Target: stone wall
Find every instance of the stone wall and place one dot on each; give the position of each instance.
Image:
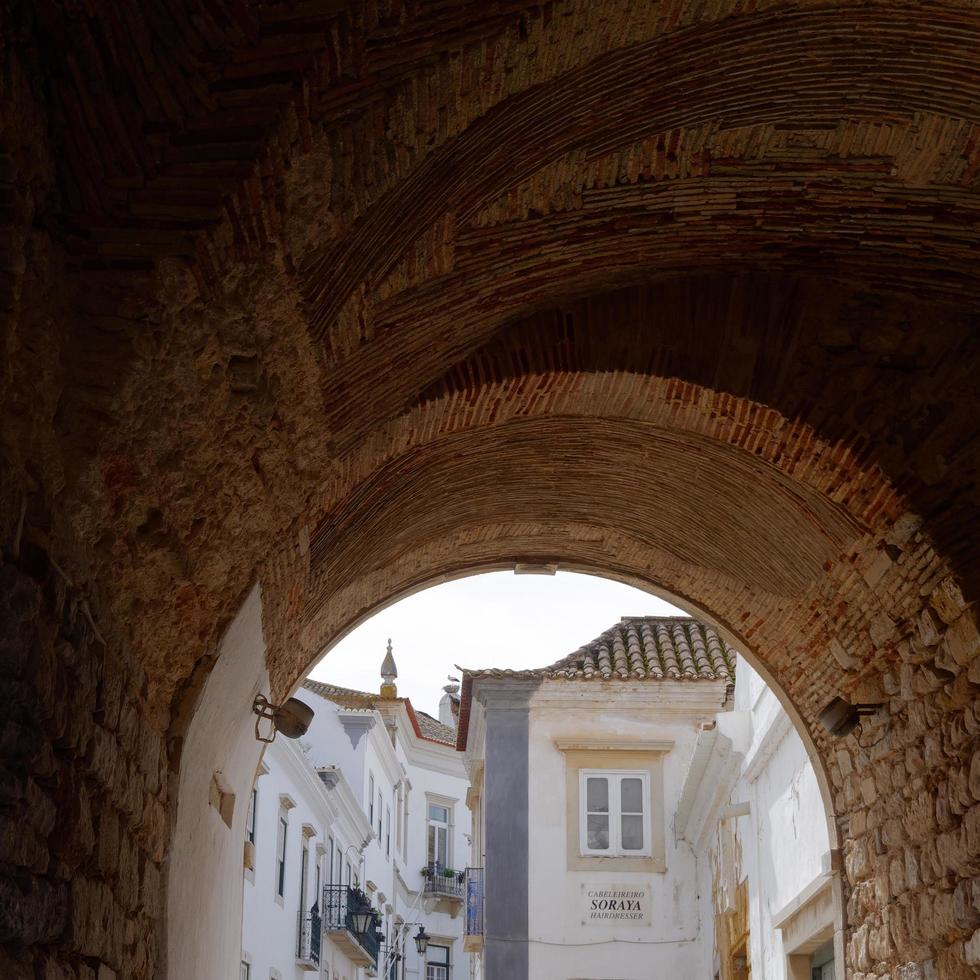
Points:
(908, 787)
(83, 817)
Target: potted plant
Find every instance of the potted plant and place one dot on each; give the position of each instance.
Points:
(448, 873)
(426, 871)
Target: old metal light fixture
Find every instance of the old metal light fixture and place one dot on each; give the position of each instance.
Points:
(362, 919)
(292, 718)
(840, 717)
(421, 940)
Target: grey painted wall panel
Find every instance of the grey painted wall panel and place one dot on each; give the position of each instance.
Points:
(506, 802)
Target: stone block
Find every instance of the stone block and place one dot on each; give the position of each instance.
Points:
(962, 640)
(947, 600)
(971, 949)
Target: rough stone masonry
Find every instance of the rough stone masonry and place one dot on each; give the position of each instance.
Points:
(342, 297)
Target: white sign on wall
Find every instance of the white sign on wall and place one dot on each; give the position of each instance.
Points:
(616, 905)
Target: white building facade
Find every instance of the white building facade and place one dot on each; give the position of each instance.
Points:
(753, 811)
(365, 814)
(642, 809)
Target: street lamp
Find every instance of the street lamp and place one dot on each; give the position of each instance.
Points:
(421, 940)
(362, 919)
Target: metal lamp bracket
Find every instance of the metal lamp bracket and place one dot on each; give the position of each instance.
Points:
(266, 711)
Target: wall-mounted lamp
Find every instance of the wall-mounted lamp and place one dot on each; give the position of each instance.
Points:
(362, 919)
(840, 717)
(292, 718)
(421, 940)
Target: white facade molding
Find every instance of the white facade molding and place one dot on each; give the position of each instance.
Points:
(670, 699)
(805, 896)
(613, 745)
(357, 724)
(774, 725)
(510, 694)
(385, 749)
(712, 775)
(351, 819)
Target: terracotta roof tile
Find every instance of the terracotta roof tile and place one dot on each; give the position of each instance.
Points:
(637, 648)
(435, 730)
(427, 726)
(344, 696)
(640, 648)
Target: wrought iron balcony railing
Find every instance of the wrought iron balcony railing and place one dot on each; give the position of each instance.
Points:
(443, 881)
(474, 901)
(308, 939)
(340, 904)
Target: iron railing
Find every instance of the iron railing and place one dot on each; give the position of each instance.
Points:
(474, 901)
(440, 880)
(308, 939)
(340, 902)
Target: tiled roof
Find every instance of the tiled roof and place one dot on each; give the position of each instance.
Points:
(641, 648)
(435, 730)
(344, 696)
(637, 648)
(425, 725)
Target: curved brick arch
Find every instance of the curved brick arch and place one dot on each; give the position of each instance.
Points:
(198, 198)
(875, 612)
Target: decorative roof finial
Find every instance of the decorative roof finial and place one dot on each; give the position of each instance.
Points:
(388, 674)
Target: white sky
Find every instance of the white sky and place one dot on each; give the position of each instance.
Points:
(494, 620)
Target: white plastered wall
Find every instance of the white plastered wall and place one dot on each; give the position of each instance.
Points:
(204, 871)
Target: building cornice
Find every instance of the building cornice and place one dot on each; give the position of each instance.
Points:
(353, 823)
(303, 776)
(762, 751)
(504, 694)
(613, 744)
(711, 776)
(356, 724)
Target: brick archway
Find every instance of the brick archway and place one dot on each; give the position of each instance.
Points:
(272, 270)
(854, 598)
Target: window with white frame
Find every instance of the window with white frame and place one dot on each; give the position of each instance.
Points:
(371, 798)
(405, 823)
(615, 812)
(380, 805)
(246, 973)
(437, 962)
(398, 817)
(437, 835)
(253, 802)
(388, 831)
(304, 863)
(281, 853)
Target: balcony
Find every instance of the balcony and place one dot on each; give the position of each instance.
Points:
(443, 882)
(308, 940)
(473, 935)
(340, 904)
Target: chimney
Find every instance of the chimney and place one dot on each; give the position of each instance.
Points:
(449, 703)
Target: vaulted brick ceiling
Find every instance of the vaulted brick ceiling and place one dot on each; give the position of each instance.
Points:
(344, 298)
(287, 228)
